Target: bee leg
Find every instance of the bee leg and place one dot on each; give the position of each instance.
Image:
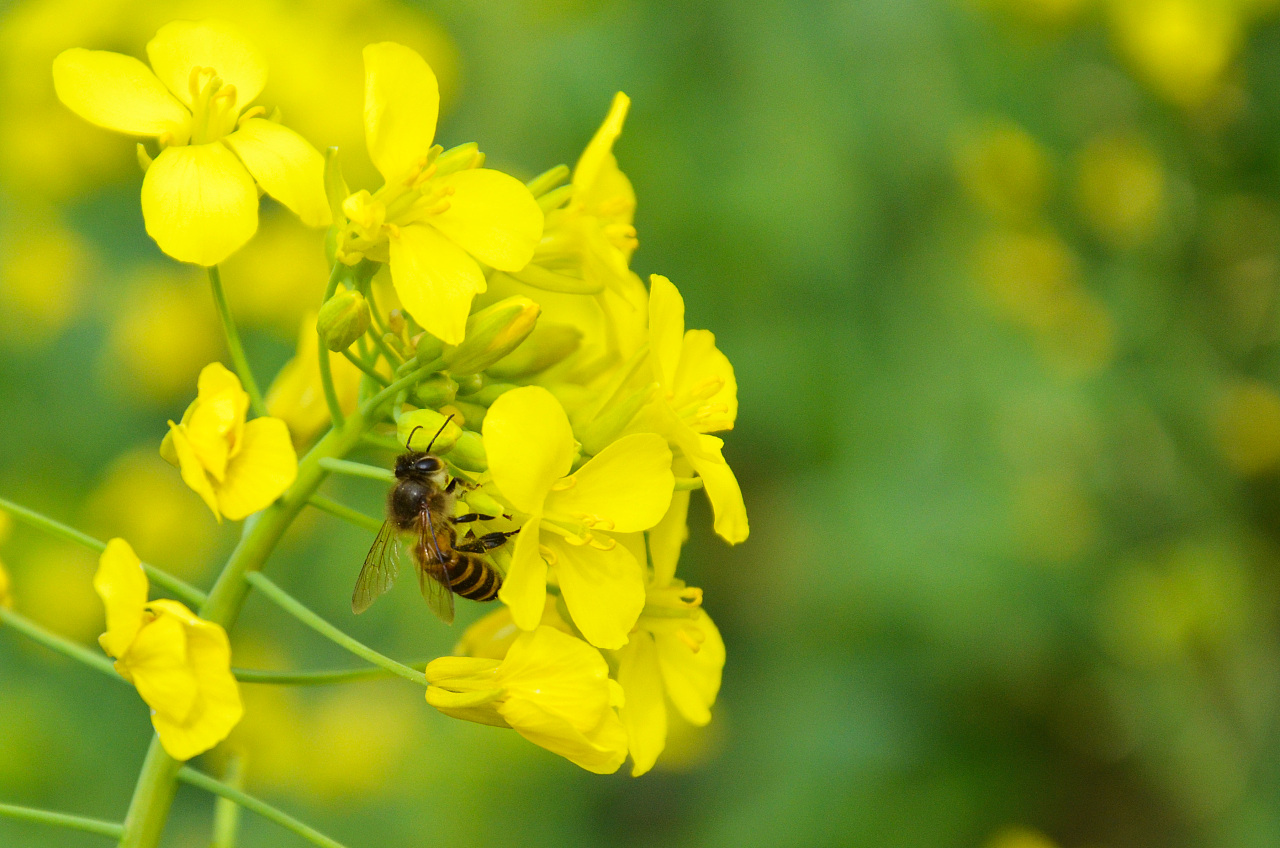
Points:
(472, 516)
(455, 483)
(485, 542)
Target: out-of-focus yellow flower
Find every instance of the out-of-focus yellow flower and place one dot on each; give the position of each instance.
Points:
(697, 394)
(54, 591)
(6, 600)
(1020, 837)
(139, 498)
(436, 218)
(567, 519)
(1120, 189)
(1006, 172)
(1053, 515)
(552, 688)
(675, 654)
(160, 338)
(44, 267)
(199, 198)
(296, 396)
(1248, 427)
(278, 277)
(180, 663)
(1181, 48)
(237, 467)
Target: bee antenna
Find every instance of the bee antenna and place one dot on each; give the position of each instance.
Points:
(409, 441)
(438, 432)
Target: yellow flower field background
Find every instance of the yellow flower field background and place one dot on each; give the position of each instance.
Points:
(1000, 283)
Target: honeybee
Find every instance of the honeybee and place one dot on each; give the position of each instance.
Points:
(420, 517)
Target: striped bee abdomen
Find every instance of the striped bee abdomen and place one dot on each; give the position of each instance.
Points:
(474, 579)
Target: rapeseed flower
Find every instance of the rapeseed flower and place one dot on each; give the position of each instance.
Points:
(697, 394)
(437, 217)
(552, 688)
(675, 654)
(200, 194)
(179, 663)
(238, 467)
(567, 520)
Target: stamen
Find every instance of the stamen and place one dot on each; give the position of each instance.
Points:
(693, 639)
(605, 544)
(564, 483)
(547, 554)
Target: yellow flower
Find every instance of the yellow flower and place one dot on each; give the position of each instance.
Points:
(296, 396)
(494, 634)
(1183, 48)
(697, 394)
(552, 688)
(437, 217)
(6, 600)
(199, 197)
(567, 518)
(237, 467)
(588, 241)
(179, 663)
(676, 653)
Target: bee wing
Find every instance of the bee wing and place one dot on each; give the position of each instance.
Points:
(433, 571)
(380, 568)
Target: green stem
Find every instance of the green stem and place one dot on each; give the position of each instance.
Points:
(360, 363)
(226, 813)
(112, 830)
(238, 359)
(294, 607)
(315, 678)
(358, 469)
(346, 513)
(181, 589)
(57, 643)
(326, 372)
(153, 793)
(203, 781)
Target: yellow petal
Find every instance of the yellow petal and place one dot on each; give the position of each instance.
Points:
(193, 473)
(600, 149)
(214, 423)
(265, 466)
(6, 599)
(180, 46)
(117, 92)
(199, 203)
(157, 664)
(286, 166)
(529, 444)
(625, 488)
(217, 707)
(667, 537)
(692, 678)
(666, 328)
(122, 585)
(644, 714)
(492, 216)
(604, 590)
(524, 589)
(435, 280)
(722, 490)
(401, 104)
(702, 365)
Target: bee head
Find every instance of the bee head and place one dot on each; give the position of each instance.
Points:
(418, 465)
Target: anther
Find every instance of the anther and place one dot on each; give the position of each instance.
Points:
(693, 639)
(547, 554)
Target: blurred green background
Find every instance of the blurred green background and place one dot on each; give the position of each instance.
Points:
(1000, 282)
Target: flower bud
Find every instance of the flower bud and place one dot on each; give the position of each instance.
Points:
(469, 384)
(428, 348)
(343, 319)
(468, 452)
(549, 180)
(547, 345)
(435, 391)
(423, 425)
(493, 333)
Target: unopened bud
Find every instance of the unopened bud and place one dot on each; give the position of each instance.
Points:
(428, 349)
(469, 384)
(417, 429)
(547, 345)
(343, 319)
(492, 333)
(468, 452)
(435, 391)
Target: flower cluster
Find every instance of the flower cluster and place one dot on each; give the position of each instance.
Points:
(572, 409)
